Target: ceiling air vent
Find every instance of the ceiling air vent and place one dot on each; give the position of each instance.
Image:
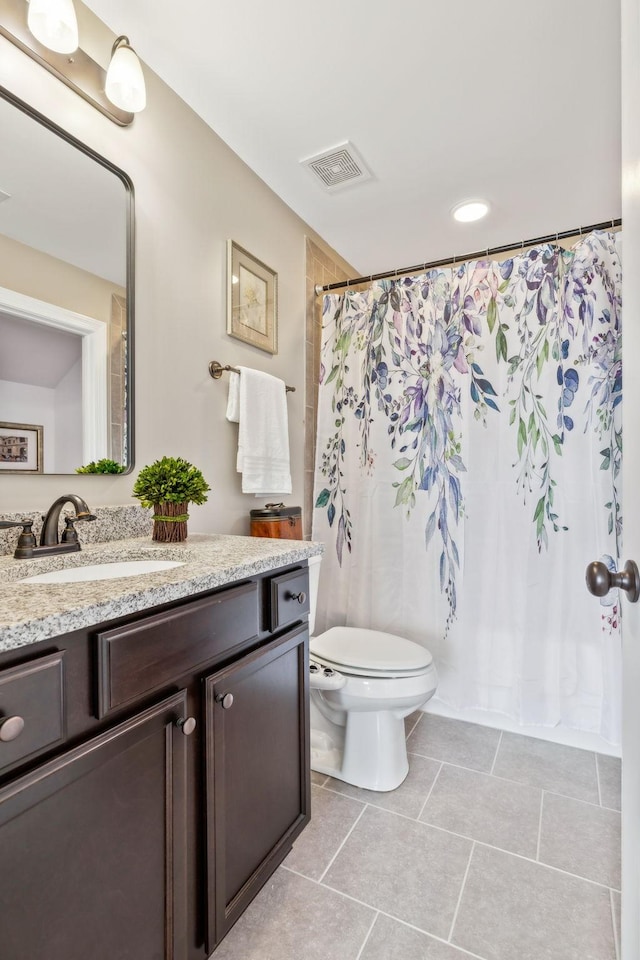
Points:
(339, 167)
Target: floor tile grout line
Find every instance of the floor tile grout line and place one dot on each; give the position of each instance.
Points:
(464, 881)
(482, 773)
(495, 756)
(412, 926)
(595, 756)
(429, 794)
(615, 925)
(523, 783)
(369, 932)
(383, 913)
(464, 836)
(540, 828)
(353, 826)
(407, 735)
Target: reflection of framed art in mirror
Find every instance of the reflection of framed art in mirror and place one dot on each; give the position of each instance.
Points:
(252, 299)
(20, 448)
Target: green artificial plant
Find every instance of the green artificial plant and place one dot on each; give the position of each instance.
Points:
(170, 480)
(101, 466)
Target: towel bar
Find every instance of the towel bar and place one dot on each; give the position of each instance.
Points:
(216, 370)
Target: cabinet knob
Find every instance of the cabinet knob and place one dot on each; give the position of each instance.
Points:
(226, 699)
(300, 597)
(11, 728)
(186, 724)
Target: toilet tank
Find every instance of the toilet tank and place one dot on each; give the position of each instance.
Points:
(314, 580)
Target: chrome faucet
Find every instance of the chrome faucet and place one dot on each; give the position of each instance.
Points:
(49, 542)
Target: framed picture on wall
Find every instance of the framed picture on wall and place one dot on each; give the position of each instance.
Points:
(20, 448)
(252, 299)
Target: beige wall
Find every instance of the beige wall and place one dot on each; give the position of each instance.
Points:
(36, 274)
(191, 194)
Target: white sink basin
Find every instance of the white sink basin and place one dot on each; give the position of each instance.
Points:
(103, 571)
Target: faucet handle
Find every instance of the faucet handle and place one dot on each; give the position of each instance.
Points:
(26, 540)
(69, 534)
(5, 524)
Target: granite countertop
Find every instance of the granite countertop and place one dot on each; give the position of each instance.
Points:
(30, 612)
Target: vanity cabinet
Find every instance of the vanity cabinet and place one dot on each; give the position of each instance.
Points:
(84, 844)
(165, 775)
(257, 772)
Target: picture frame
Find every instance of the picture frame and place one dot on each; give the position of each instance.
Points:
(21, 448)
(252, 299)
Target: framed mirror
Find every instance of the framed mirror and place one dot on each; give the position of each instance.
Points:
(66, 299)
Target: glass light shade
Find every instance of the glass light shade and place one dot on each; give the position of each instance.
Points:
(470, 210)
(54, 24)
(125, 81)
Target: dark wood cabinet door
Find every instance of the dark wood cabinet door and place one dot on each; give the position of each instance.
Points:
(257, 772)
(93, 846)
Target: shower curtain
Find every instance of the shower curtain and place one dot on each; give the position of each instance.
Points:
(468, 469)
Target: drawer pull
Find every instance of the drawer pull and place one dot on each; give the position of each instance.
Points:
(225, 699)
(11, 728)
(300, 597)
(187, 725)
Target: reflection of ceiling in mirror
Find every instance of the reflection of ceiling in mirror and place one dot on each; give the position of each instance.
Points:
(34, 353)
(61, 201)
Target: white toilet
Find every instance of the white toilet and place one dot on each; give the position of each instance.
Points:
(363, 684)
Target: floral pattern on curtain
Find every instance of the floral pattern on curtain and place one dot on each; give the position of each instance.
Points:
(413, 368)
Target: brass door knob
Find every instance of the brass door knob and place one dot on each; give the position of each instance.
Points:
(225, 700)
(11, 728)
(600, 580)
(186, 725)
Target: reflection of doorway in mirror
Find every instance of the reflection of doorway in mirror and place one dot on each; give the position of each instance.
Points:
(253, 301)
(54, 371)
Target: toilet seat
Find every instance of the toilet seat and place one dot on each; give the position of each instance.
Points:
(369, 653)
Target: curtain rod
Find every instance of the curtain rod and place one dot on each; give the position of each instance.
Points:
(489, 251)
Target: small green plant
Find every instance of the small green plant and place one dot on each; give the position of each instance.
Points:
(101, 466)
(170, 480)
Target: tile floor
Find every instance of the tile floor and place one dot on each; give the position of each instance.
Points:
(496, 846)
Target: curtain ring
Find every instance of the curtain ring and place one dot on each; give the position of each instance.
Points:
(580, 230)
(522, 246)
(613, 223)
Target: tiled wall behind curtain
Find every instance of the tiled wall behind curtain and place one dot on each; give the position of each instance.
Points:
(320, 268)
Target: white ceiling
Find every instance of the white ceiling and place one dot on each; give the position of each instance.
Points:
(511, 101)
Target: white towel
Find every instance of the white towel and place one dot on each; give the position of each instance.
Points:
(258, 403)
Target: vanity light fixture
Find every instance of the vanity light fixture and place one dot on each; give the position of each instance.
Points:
(24, 24)
(125, 80)
(470, 210)
(54, 24)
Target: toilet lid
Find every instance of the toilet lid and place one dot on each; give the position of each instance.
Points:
(369, 652)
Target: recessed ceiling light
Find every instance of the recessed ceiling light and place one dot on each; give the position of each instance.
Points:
(470, 210)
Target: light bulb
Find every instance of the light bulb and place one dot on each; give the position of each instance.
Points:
(54, 24)
(125, 81)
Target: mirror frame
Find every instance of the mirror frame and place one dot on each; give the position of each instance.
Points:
(11, 98)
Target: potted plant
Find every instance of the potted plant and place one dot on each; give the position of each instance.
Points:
(169, 485)
(101, 466)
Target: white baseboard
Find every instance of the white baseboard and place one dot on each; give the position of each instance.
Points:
(559, 734)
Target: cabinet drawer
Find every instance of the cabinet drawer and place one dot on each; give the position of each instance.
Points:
(34, 694)
(289, 598)
(138, 658)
